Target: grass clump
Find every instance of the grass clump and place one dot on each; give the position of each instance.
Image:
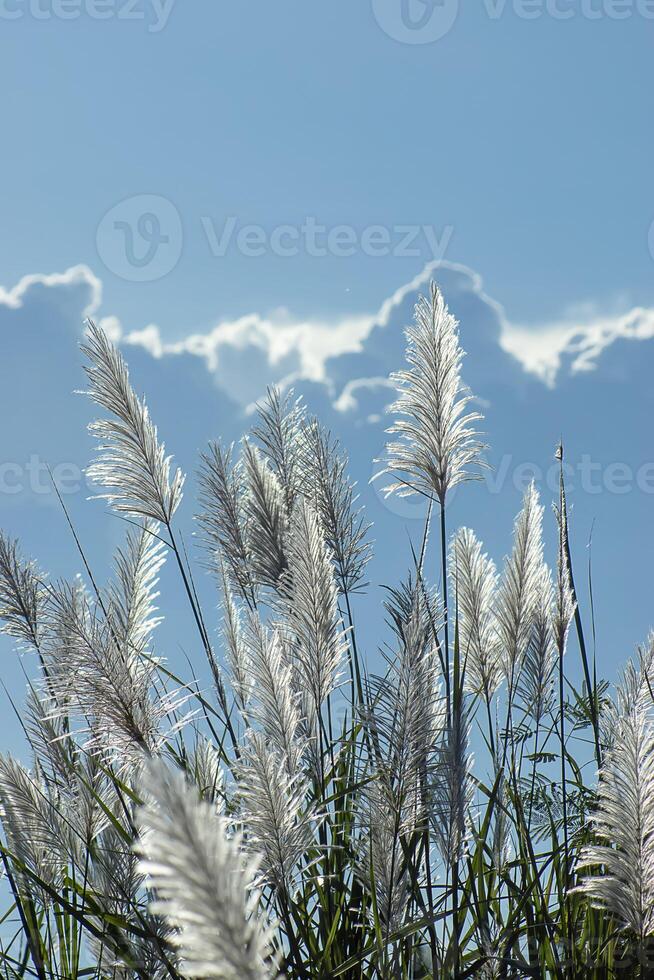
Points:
(305, 817)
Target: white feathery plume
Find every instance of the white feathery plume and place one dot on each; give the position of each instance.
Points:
(279, 432)
(21, 594)
(624, 822)
(103, 680)
(380, 855)
(132, 465)
(114, 679)
(275, 701)
(222, 519)
(80, 787)
(208, 774)
(273, 808)
(128, 956)
(202, 884)
(564, 605)
(518, 592)
(266, 517)
(406, 719)
(53, 751)
(131, 596)
(438, 446)
(311, 597)
(536, 679)
(36, 834)
(453, 788)
(635, 690)
(475, 579)
(67, 610)
(236, 648)
(501, 843)
(326, 485)
(407, 710)
(119, 888)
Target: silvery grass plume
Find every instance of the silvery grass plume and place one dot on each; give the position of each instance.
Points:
(201, 882)
(97, 658)
(47, 736)
(536, 678)
(99, 682)
(624, 823)
(635, 689)
(501, 843)
(307, 461)
(275, 702)
(564, 604)
(381, 862)
(118, 888)
(206, 771)
(407, 712)
(131, 596)
(56, 637)
(279, 431)
(132, 465)
(222, 519)
(35, 831)
(328, 487)
(453, 787)
(81, 791)
(278, 824)
(519, 586)
(236, 648)
(311, 600)
(266, 518)
(21, 595)
(438, 445)
(124, 957)
(475, 582)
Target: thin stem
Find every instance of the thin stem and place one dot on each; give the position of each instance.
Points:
(591, 685)
(203, 634)
(445, 612)
(563, 768)
(533, 774)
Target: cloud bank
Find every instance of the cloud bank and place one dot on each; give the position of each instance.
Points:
(246, 354)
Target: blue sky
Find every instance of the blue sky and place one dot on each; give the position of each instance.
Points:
(250, 192)
(530, 137)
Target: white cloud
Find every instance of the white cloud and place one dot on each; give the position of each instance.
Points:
(246, 354)
(287, 351)
(304, 347)
(347, 400)
(75, 277)
(542, 349)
